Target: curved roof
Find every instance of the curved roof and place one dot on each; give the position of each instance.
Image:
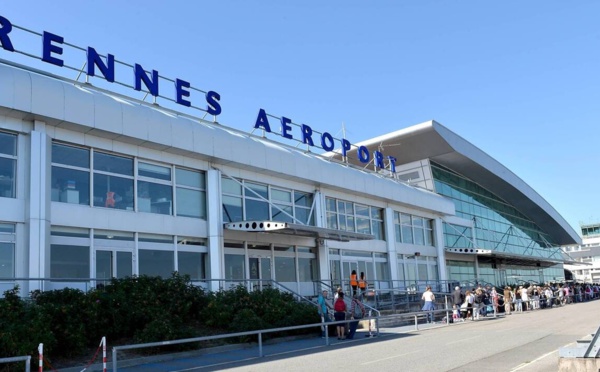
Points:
(431, 140)
(84, 109)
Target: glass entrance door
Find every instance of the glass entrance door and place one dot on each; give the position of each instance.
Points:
(113, 264)
(347, 268)
(260, 272)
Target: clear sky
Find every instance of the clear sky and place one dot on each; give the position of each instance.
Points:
(518, 79)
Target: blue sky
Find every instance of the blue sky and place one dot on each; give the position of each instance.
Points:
(518, 79)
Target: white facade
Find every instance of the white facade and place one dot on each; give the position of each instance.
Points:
(54, 225)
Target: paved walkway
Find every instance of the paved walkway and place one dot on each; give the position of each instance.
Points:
(292, 351)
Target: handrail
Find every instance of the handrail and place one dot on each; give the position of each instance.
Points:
(259, 333)
(26, 358)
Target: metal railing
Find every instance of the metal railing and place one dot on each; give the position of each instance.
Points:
(26, 358)
(258, 333)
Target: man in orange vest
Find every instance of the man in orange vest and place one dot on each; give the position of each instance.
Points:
(353, 282)
(362, 284)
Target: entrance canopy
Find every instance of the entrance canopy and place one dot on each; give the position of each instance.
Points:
(285, 228)
(513, 258)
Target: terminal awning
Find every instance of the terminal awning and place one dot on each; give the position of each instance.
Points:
(512, 258)
(275, 227)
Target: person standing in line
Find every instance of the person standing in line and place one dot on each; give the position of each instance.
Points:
(353, 282)
(357, 312)
(323, 311)
(362, 284)
(339, 308)
(525, 299)
(519, 300)
(536, 298)
(457, 297)
(494, 296)
(429, 306)
(507, 300)
(469, 299)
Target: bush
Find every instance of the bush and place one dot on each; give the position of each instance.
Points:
(23, 327)
(139, 310)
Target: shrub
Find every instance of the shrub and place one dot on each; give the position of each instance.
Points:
(22, 327)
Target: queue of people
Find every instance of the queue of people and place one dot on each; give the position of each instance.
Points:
(479, 301)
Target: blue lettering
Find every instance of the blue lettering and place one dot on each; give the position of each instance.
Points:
(378, 159)
(214, 107)
(180, 92)
(307, 135)
(4, 31)
(286, 127)
(345, 146)
(140, 75)
(262, 121)
(108, 70)
(392, 161)
(48, 48)
(363, 154)
(327, 146)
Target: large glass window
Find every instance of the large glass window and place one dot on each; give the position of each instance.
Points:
(192, 264)
(498, 225)
(8, 165)
(191, 193)
(413, 229)
(234, 267)
(7, 250)
(70, 174)
(69, 261)
(349, 216)
(157, 263)
(113, 181)
(285, 269)
(244, 200)
(155, 194)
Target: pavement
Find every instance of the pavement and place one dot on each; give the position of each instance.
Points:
(442, 338)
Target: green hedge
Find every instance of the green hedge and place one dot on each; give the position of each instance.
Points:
(137, 310)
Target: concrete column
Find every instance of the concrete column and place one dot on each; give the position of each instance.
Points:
(390, 239)
(321, 244)
(438, 230)
(214, 211)
(38, 218)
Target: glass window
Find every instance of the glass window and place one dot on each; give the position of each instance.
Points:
(113, 164)
(113, 192)
(124, 264)
(70, 185)
(285, 269)
(103, 264)
(69, 155)
(8, 165)
(191, 193)
(347, 216)
(230, 186)
(307, 269)
(7, 260)
(111, 189)
(234, 267)
(154, 171)
(255, 190)
(156, 263)
(154, 196)
(232, 209)
(257, 210)
(192, 264)
(281, 195)
(69, 261)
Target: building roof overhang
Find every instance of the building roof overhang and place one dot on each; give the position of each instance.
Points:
(433, 141)
(276, 227)
(514, 258)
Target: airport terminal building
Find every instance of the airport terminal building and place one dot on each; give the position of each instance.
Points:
(96, 185)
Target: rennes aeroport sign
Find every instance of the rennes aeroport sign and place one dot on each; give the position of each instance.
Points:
(104, 66)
